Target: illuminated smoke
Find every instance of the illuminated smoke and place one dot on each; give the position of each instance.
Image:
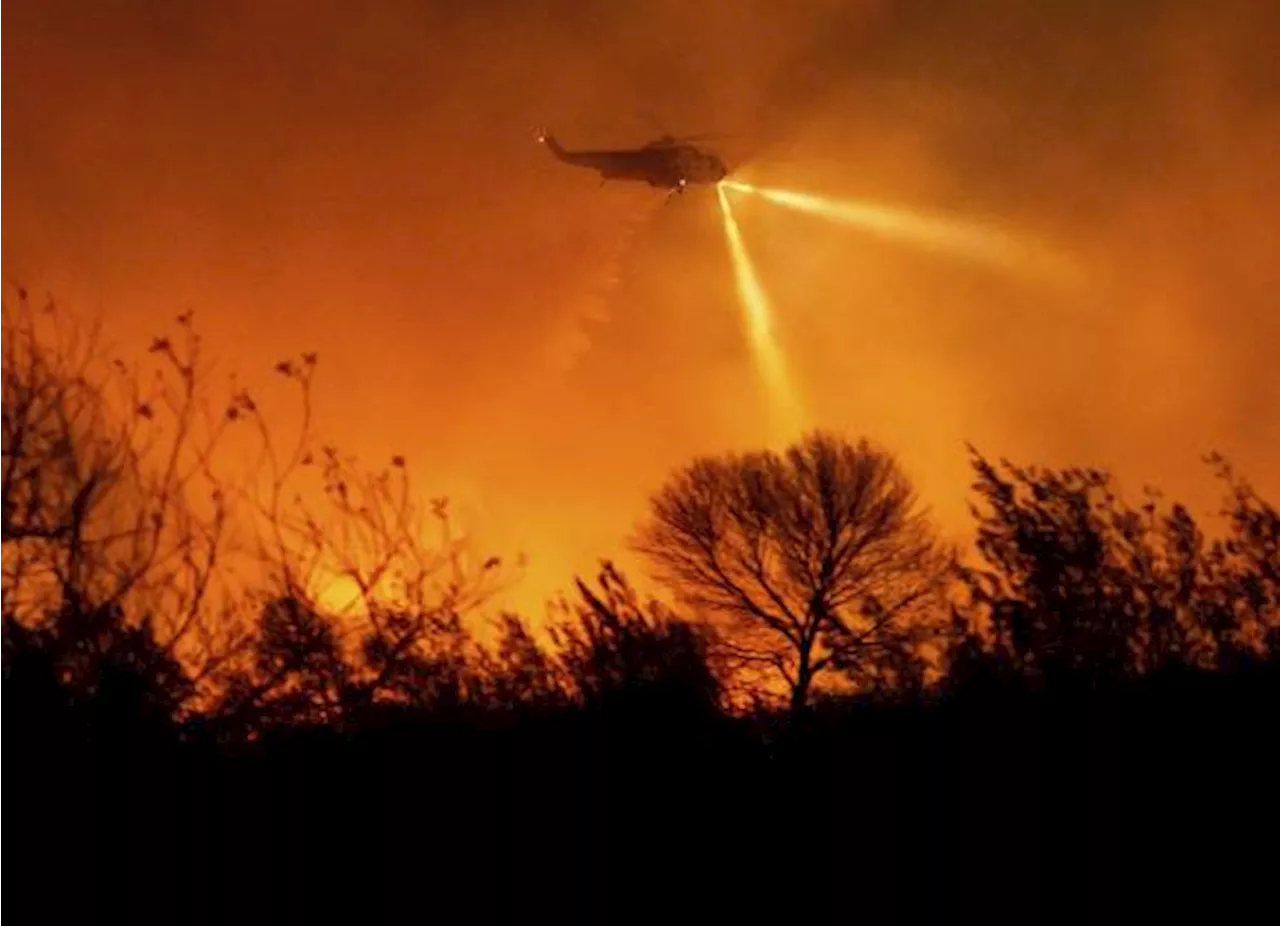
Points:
(570, 338)
(758, 316)
(929, 232)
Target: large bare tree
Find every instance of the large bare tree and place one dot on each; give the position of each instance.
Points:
(816, 560)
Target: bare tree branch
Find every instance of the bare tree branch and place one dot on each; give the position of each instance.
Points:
(817, 555)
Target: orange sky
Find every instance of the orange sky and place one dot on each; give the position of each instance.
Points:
(363, 180)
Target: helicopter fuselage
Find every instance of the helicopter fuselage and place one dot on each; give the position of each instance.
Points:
(660, 164)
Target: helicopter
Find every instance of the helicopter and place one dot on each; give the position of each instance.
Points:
(666, 163)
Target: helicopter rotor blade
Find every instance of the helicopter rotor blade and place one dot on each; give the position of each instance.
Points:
(688, 139)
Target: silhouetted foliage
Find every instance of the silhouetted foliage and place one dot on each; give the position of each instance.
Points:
(1080, 587)
(618, 649)
(87, 661)
(519, 672)
(273, 756)
(295, 674)
(816, 557)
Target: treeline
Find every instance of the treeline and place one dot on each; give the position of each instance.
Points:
(835, 714)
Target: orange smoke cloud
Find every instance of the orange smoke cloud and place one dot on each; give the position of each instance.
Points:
(365, 182)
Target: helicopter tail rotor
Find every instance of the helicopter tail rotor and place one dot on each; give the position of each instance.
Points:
(545, 138)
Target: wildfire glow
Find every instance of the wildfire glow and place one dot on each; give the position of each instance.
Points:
(925, 231)
(758, 315)
(339, 595)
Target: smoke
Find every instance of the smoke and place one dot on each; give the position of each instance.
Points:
(589, 307)
(365, 181)
(1132, 138)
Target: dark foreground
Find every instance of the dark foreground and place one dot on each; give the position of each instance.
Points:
(1016, 807)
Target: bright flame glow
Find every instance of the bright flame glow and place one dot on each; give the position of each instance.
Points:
(758, 315)
(930, 232)
(339, 595)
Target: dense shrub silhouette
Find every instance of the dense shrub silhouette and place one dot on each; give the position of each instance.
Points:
(618, 652)
(1077, 587)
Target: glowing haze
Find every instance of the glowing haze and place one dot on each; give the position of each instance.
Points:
(364, 181)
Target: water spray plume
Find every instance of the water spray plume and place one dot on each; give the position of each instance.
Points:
(930, 232)
(758, 316)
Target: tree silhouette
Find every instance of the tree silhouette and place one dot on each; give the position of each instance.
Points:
(295, 673)
(412, 583)
(817, 557)
(1079, 587)
(96, 667)
(225, 774)
(617, 648)
(112, 510)
(1243, 572)
(519, 672)
(123, 492)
